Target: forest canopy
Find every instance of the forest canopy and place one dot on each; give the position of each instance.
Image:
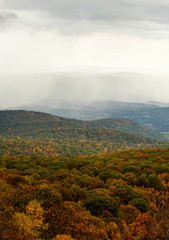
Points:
(120, 195)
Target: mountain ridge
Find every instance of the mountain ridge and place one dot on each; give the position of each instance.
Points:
(27, 133)
(117, 124)
(153, 116)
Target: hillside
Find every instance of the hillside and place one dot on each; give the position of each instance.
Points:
(126, 125)
(25, 132)
(13, 122)
(122, 195)
(154, 115)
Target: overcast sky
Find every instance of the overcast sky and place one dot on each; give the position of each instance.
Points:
(102, 35)
(49, 36)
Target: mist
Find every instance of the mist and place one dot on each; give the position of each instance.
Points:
(67, 88)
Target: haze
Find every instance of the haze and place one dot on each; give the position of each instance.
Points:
(55, 89)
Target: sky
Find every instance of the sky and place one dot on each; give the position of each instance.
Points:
(48, 36)
(94, 35)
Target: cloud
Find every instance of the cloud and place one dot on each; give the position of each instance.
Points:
(43, 35)
(100, 14)
(101, 10)
(6, 17)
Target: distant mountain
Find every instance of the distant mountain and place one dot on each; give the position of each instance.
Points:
(85, 111)
(158, 104)
(149, 115)
(35, 132)
(91, 96)
(155, 118)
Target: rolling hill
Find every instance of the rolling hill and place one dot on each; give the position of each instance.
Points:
(154, 115)
(127, 125)
(24, 132)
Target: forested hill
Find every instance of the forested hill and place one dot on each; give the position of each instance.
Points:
(23, 132)
(31, 123)
(127, 125)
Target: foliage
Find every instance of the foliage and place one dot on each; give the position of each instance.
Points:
(35, 133)
(120, 195)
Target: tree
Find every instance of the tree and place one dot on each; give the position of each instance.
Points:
(30, 223)
(128, 213)
(140, 204)
(141, 229)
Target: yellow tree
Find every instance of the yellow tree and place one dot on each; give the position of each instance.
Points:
(30, 223)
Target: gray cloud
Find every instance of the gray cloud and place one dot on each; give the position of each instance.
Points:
(45, 34)
(98, 10)
(6, 17)
(141, 17)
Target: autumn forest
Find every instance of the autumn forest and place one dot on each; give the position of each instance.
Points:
(64, 179)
